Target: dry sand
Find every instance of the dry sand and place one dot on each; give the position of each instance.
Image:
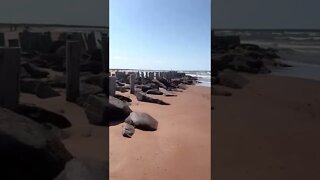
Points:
(179, 149)
(268, 130)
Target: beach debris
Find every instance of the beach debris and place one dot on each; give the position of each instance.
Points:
(28, 149)
(42, 116)
(142, 121)
(141, 96)
(101, 111)
(127, 130)
(232, 79)
(84, 169)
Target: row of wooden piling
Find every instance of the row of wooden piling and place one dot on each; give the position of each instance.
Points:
(168, 75)
(10, 72)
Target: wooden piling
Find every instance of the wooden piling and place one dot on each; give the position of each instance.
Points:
(73, 55)
(132, 82)
(9, 77)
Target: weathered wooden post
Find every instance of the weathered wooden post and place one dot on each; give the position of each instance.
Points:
(161, 74)
(157, 75)
(9, 77)
(73, 55)
(105, 52)
(2, 40)
(132, 82)
(151, 75)
(112, 85)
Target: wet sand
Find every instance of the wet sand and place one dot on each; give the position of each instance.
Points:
(268, 130)
(179, 149)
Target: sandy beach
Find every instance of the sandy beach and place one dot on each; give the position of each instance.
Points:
(267, 130)
(83, 140)
(179, 149)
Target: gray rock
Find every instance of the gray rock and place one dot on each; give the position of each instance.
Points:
(141, 96)
(101, 111)
(28, 150)
(127, 130)
(38, 88)
(142, 121)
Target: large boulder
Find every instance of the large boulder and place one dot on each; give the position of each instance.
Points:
(28, 150)
(232, 79)
(84, 169)
(101, 110)
(143, 121)
(34, 71)
(38, 88)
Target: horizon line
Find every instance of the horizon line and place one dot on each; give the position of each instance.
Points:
(54, 24)
(153, 69)
(266, 29)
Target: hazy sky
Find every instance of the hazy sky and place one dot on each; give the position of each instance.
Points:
(266, 13)
(75, 12)
(160, 34)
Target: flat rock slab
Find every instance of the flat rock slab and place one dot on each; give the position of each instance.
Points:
(43, 116)
(141, 96)
(34, 71)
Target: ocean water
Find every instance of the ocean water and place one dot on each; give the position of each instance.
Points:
(204, 77)
(299, 48)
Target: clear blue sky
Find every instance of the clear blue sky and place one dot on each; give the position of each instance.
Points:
(160, 34)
